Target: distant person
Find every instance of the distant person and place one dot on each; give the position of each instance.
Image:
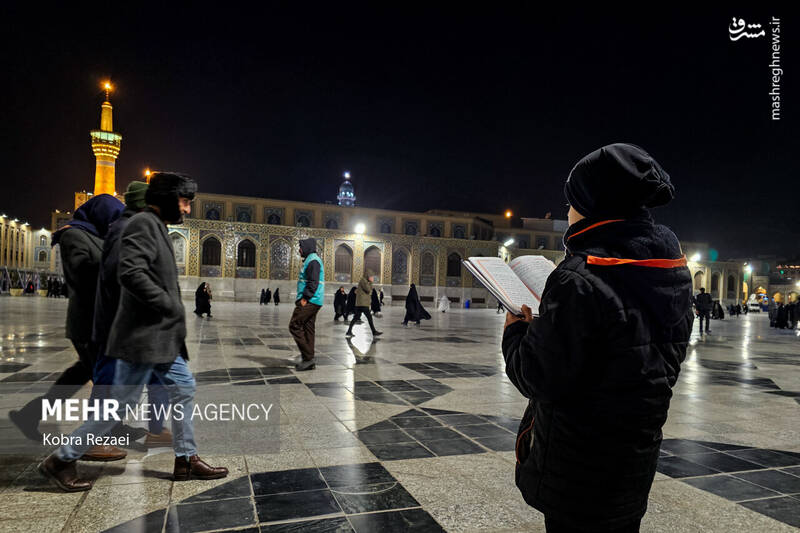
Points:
(263, 297)
(782, 316)
(277, 296)
(444, 304)
(772, 312)
(81, 242)
(599, 362)
(500, 307)
(703, 305)
(381, 295)
(202, 300)
(310, 297)
(414, 310)
(363, 302)
(339, 304)
(350, 307)
(375, 304)
(267, 297)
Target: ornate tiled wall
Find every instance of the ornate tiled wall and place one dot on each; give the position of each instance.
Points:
(277, 245)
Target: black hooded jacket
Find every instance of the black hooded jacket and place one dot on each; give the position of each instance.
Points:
(598, 365)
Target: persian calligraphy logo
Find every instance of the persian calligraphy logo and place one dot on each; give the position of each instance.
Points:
(738, 29)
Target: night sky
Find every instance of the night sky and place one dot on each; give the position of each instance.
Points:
(479, 111)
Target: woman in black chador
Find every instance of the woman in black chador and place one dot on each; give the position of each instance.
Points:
(263, 297)
(267, 296)
(202, 300)
(599, 362)
(350, 307)
(339, 304)
(414, 310)
(277, 296)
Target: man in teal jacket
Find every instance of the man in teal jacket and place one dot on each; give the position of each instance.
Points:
(310, 296)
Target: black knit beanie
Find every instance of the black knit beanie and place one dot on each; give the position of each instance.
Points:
(616, 181)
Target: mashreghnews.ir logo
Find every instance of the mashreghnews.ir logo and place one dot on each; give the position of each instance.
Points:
(739, 29)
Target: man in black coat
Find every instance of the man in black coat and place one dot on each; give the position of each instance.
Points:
(147, 335)
(81, 242)
(703, 303)
(599, 362)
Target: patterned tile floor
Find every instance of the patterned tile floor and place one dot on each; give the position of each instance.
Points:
(414, 432)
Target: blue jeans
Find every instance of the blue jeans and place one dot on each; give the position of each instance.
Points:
(129, 381)
(104, 371)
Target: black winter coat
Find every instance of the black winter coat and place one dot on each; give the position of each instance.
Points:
(599, 364)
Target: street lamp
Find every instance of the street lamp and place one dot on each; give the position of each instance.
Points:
(508, 213)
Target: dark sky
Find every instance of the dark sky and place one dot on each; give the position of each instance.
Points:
(477, 111)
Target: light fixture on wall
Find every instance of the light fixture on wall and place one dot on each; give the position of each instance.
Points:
(508, 243)
(695, 257)
(361, 228)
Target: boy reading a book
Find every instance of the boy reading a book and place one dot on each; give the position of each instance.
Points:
(599, 362)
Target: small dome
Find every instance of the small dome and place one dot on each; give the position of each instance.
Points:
(347, 193)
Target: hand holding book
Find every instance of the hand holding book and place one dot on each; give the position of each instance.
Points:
(520, 282)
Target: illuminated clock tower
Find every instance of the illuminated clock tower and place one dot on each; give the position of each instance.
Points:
(105, 145)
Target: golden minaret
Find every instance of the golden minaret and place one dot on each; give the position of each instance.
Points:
(105, 145)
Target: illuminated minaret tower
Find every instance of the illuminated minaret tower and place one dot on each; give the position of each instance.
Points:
(105, 145)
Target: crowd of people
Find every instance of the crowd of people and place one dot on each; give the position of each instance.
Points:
(783, 315)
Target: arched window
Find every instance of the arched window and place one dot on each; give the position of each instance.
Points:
(212, 252)
(400, 267)
(43, 240)
(458, 232)
(246, 254)
(427, 269)
(411, 228)
(731, 291)
(698, 280)
(435, 232)
(42, 256)
(372, 262)
(274, 219)
(332, 224)
(303, 222)
(243, 216)
(386, 227)
(179, 246)
(715, 285)
(279, 262)
(343, 263)
(212, 214)
(454, 265)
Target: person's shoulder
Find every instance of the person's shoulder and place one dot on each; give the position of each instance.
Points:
(143, 221)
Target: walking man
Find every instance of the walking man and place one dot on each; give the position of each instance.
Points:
(363, 301)
(147, 335)
(703, 303)
(81, 241)
(310, 297)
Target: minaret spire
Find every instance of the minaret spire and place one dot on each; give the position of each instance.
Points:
(105, 145)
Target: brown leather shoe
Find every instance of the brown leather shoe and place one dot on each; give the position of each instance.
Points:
(104, 453)
(63, 474)
(158, 440)
(196, 468)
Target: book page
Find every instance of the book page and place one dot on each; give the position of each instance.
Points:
(503, 283)
(533, 271)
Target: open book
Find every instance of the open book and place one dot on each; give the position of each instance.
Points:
(519, 282)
